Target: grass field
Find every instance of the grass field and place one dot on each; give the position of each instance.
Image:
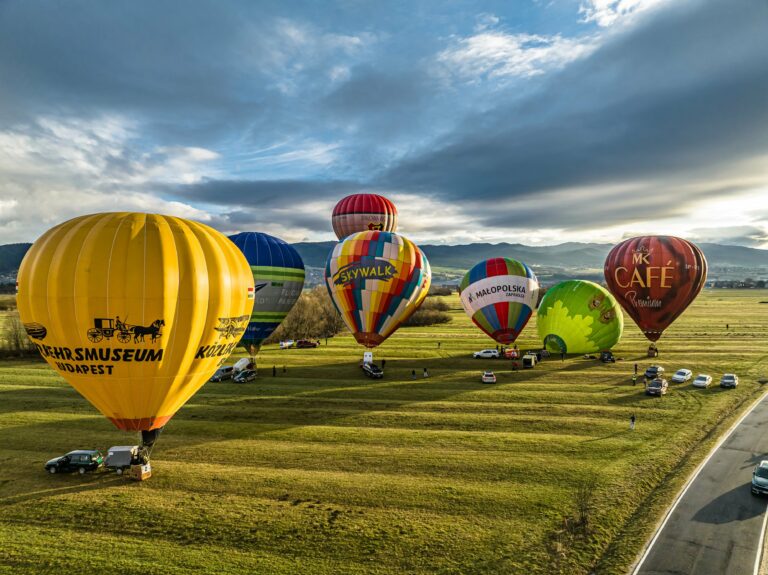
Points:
(321, 471)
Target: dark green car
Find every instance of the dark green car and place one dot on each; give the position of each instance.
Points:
(81, 461)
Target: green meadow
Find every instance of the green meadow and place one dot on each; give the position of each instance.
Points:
(320, 471)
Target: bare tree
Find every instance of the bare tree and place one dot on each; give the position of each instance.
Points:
(313, 316)
(15, 339)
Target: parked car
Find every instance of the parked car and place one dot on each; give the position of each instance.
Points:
(702, 380)
(729, 380)
(81, 461)
(606, 356)
(682, 375)
(306, 343)
(486, 354)
(224, 372)
(373, 371)
(760, 479)
(654, 371)
(658, 387)
(245, 376)
(537, 352)
(287, 344)
(529, 361)
(121, 457)
(488, 377)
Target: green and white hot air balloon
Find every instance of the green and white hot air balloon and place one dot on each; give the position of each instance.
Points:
(578, 316)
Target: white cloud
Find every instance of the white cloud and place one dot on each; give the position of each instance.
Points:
(56, 169)
(293, 51)
(608, 12)
(496, 54)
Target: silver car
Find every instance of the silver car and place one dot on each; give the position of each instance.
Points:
(702, 380)
(682, 375)
(486, 354)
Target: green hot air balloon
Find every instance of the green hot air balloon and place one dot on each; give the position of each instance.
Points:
(578, 316)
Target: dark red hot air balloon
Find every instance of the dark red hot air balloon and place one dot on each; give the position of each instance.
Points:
(364, 212)
(655, 278)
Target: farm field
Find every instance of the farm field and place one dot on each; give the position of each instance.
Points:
(318, 470)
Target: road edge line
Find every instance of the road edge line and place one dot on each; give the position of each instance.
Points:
(759, 557)
(646, 551)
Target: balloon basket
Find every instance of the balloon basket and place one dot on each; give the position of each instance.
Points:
(140, 472)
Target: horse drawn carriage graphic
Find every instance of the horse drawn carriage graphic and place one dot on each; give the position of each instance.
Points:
(107, 328)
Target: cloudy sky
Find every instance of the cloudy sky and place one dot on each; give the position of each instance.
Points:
(533, 121)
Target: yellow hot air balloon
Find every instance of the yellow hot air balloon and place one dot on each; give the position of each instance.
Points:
(134, 310)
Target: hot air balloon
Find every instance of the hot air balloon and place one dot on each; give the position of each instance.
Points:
(363, 212)
(135, 311)
(578, 316)
(278, 275)
(376, 281)
(499, 295)
(655, 278)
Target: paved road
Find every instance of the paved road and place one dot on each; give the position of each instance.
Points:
(717, 525)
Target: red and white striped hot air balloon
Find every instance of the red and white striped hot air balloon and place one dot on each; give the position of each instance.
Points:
(362, 213)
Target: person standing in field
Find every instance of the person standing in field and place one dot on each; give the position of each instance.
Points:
(634, 378)
(438, 345)
(426, 373)
(383, 363)
(274, 371)
(632, 422)
(413, 374)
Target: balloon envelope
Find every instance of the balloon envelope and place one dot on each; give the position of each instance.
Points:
(135, 311)
(278, 275)
(499, 295)
(376, 281)
(578, 316)
(363, 212)
(655, 278)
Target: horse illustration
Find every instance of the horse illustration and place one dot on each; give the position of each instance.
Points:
(139, 331)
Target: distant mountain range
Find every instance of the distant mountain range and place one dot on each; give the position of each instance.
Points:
(573, 259)
(567, 256)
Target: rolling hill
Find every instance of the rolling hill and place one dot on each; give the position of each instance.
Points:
(581, 258)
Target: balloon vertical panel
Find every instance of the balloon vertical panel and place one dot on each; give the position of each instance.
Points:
(135, 311)
(376, 281)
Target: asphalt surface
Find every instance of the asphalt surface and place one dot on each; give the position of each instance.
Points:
(716, 528)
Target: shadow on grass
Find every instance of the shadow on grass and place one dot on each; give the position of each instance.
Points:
(74, 484)
(224, 411)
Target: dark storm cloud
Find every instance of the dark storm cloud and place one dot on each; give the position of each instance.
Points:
(684, 93)
(189, 72)
(263, 193)
(252, 218)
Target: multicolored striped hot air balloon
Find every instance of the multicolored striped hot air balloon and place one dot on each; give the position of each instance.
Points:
(579, 316)
(499, 295)
(363, 212)
(655, 278)
(376, 281)
(278, 275)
